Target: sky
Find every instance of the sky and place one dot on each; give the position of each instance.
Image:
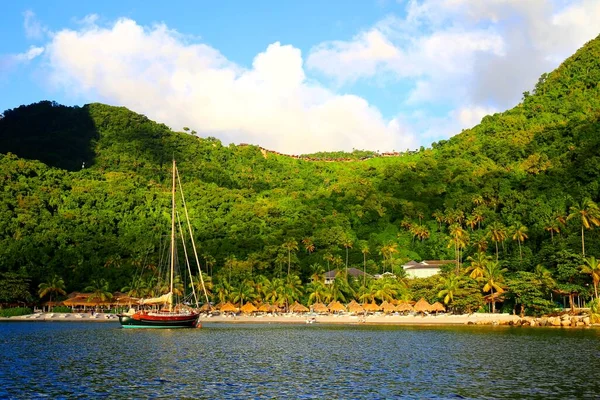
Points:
(292, 76)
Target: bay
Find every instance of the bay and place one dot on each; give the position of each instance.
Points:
(101, 360)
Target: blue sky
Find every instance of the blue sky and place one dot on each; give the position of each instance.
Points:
(293, 76)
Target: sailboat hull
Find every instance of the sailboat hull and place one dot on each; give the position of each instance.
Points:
(138, 320)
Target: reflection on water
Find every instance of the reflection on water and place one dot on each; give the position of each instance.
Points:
(87, 360)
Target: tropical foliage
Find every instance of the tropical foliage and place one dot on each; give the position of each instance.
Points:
(85, 189)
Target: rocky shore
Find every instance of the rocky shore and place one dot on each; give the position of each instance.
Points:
(565, 320)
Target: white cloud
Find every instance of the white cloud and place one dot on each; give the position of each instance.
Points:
(29, 55)
(33, 28)
(152, 71)
(468, 117)
(463, 54)
(11, 61)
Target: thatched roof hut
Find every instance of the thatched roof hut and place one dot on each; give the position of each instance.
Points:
(404, 307)
(264, 308)
(85, 300)
(206, 307)
(248, 308)
(319, 308)
(438, 307)
(388, 308)
(299, 308)
(336, 306)
(371, 307)
(228, 307)
(422, 306)
(355, 308)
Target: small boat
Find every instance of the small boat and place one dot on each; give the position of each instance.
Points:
(169, 315)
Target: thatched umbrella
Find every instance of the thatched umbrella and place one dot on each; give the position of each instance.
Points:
(273, 308)
(299, 308)
(371, 307)
(336, 306)
(228, 307)
(355, 308)
(387, 307)
(422, 306)
(404, 307)
(438, 307)
(264, 308)
(319, 308)
(206, 307)
(248, 308)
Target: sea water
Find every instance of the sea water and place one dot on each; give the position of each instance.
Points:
(101, 360)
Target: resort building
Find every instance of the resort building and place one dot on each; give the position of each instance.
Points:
(354, 272)
(426, 268)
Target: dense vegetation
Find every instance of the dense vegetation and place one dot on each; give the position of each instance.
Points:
(85, 196)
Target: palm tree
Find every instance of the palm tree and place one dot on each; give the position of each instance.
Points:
(385, 289)
(477, 266)
(459, 240)
(328, 257)
(317, 272)
(137, 288)
(99, 289)
(280, 260)
(273, 292)
(229, 262)
(592, 267)
(497, 233)
(471, 221)
(317, 292)
(223, 291)
(553, 227)
(520, 234)
(493, 277)
(387, 251)
(543, 278)
(210, 262)
(449, 285)
(308, 244)
(54, 285)
(439, 217)
(340, 289)
(347, 242)
(421, 232)
(292, 290)
(589, 213)
(208, 284)
(290, 245)
(244, 292)
(364, 249)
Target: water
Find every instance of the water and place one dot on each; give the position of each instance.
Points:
(101, 360)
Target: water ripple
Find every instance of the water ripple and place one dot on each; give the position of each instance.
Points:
(85, 360)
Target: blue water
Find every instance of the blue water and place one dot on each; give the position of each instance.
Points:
(100, 360)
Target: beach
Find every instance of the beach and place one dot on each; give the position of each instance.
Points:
(344, 319)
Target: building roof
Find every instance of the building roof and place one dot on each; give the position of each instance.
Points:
(351, 271)
(438, 262)
(427, 264)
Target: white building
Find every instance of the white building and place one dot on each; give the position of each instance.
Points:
(426, 268)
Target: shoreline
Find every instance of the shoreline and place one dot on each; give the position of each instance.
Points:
(344, 319)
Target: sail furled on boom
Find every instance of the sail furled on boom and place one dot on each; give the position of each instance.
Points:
(164, 299)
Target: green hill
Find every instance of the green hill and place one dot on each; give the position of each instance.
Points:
(528, 166)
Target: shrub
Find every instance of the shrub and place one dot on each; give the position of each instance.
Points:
(15, 311)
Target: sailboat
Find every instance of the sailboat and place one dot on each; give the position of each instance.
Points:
(170, 315)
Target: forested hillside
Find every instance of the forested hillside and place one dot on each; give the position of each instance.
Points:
(85, 196)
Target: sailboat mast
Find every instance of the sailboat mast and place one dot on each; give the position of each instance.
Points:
(172, 234)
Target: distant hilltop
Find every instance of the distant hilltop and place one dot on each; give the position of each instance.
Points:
(338, 156)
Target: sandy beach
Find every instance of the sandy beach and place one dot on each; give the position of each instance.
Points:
(344, 319)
